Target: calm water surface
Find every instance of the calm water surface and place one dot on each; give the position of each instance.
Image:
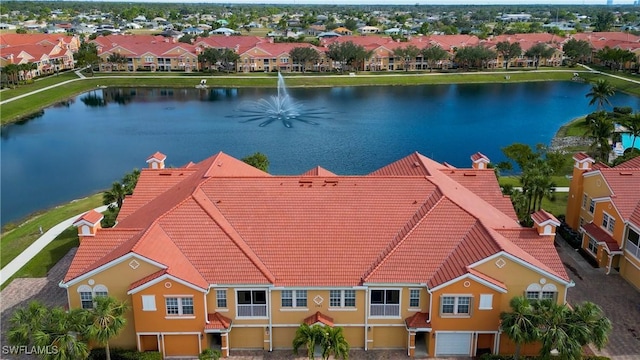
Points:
(75, 150)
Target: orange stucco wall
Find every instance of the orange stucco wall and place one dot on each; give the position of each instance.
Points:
(112, 278)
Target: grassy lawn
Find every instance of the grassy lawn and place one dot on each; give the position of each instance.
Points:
(17, 237)
(37, 85)
(20, 108)
(560, 181)
(559, 204)
(40, 265)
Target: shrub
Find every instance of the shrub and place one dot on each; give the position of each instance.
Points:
(123, 354)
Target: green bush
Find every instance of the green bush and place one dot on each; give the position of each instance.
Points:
(122, 354)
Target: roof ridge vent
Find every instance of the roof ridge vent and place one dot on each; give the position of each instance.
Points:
(626, 173)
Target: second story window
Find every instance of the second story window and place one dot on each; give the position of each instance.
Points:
(592, 206)
(342, 298)
(584, 200)
(455, 305)
(385, 303)
(89, 294)
(221, 298)
(252, 303)
(177, 306)
(148, 59)
(632, 244)
(294, 298)
(608, 223)
(414, 298)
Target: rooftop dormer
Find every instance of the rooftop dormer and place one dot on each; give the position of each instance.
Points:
(156, 161)
(480, 161)
(88, 224)
(583, 161)
(545, 222)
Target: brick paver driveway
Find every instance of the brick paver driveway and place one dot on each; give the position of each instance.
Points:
(618, 299)
(21, 291)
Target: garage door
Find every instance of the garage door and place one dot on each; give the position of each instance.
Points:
(181, 345)
(453, 344)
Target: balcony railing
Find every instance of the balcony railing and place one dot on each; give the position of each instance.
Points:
(384, 310)
(252, 310)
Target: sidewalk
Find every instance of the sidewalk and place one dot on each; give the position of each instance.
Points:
(16, 264)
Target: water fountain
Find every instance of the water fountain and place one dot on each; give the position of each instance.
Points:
(279, 107)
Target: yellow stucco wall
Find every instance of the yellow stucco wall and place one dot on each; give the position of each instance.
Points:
(391, 337)
(517, 278)
(117, 280)
(246, 338)
(283, 338)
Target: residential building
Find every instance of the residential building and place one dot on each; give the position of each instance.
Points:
(416, 255)
(604, 205)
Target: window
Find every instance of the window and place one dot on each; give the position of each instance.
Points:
(608, 222)
(633, 243)
(592, 206)
(221, 298)
(342, 298)
(486, 302)
(581, 222)
(86, 299)
(584, 200)
(88, 295)
(179, 306)
(252, 303)
(414, 298)
(148, 303)
(148, 59)
(455, 305)
(385, 303)
(535, 292)
(593, 246)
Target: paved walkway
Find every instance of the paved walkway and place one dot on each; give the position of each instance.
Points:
(618, 299)
(21, 260)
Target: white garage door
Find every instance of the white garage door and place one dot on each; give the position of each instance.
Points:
(453, 344)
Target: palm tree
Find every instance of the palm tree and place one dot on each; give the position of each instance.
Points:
(632, 123)
(107, 321)
(25, 322)
(521, 324)
(308, 336)
(599, 130)
(600, 93)
(335, 344)
(114, 196)
(62, 332)
(567, 330)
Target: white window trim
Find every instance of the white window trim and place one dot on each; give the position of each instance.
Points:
(594, 207)
(399, 304)
(342, 306)
(456, 298)
(606, 215)
(585, 200)
(413, 308)
(180, 313)
(631, 248)
(294, 300)
(266, 295)
(589, 244)
(226, 299)
(540, 290)
(93, 291)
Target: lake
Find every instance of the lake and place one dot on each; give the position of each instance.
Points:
(82, 146)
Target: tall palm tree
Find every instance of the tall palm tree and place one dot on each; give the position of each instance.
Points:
(600, 93)
(335, 344)
(115, 195)
(521, 324)
(309, 337)
(107, 321)
(632, 123)
(599, 129)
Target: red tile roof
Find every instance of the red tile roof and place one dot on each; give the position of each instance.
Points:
(601, 236)
(624, 182)
(488, 279)
(222, 221)
(633, 163)
(479, 156)
(91, 216)
(541, 250)
(541, 216)
(157, 156)
(217, 321)
(418, 320)
(318, 171)
(581, 156)
(146, 279)
(319, 317)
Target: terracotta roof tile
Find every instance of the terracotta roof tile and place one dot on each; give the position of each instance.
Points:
(319, 317)
(146, 279)
(541, 216)
(157, 156)
(479, 156)
(540, 250)
(487, 278)
(91, 216)
(318, 171)
(581, 156)
(418, 320)
(633, 163)
(624, 183)
(217, 321)
(601, 236)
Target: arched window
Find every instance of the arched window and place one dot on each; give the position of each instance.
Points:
(86, 230)
(533, 292)
(536, 292)
(86, 296)
(100, 290)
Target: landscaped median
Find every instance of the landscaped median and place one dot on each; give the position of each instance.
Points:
(16, 109)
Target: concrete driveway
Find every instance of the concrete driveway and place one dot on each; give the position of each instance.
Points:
(618, 299)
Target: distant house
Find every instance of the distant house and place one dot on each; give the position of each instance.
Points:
(343, 31)
(369, 30)
(515, 17)
(328, 35)
(192, 31)
(224, 31)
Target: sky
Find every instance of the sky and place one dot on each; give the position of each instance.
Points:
(402, 2)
